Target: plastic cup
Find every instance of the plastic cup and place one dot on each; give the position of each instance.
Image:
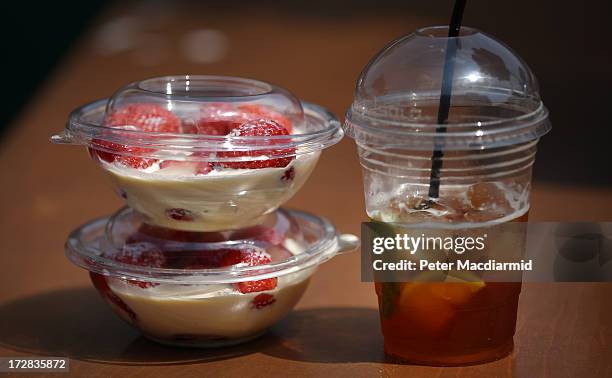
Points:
(495, 121)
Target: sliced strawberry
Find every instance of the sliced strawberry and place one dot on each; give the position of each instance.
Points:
(216, 127)
(217, 119)
(125, 154)
(289, 175)
(250, 257)
(144, 117)
(247, 256)
(202, 259)
(258, 112)
(256, 286)
(100, 283)
(151, 118)
(263, 300)
(181, 249)
(197, 167)
(260, 128)
(204, 168)
(141, 254)
(181, 215)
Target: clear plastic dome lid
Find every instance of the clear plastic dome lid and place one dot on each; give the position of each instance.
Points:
(494, 100)
(193, 98)
(184, 117)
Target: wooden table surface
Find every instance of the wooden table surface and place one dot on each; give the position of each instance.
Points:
(48, 307)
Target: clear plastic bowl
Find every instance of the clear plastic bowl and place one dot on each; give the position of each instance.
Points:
(166, 147)
(204, 289)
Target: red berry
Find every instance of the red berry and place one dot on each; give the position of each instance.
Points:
(141, 254)
(257, 112)
(197, 167)
(260, 128)
(289, 175)
(250, 257)
(144, 117)
(202, 259)
(126, 155)
(256, 286)
(178, 214)
(218, 119)
(203, 168)
(262, 300)
(181, 248)
(216, 127)
(100, 283)
(247, 256)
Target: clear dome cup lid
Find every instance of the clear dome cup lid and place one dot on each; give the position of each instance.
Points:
(187, 117)
(125, 246)
(494, 101)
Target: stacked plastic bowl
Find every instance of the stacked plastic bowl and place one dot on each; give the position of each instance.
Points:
(202, 255)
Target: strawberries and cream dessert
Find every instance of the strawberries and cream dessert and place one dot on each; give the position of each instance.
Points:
(203, 288)
(207, 193)
(202, 255)
(203, 153)
(211, 313)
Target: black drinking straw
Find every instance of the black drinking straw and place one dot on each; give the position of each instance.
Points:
(445, 95)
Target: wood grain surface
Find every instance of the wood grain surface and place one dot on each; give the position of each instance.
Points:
(48, 307)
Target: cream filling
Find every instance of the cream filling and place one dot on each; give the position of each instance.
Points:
(222, 199)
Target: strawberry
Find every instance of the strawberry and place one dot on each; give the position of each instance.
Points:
(181, 249)
(289, 175)
(197, 167)
(217, 119)
(216, 127)
(141, 254)
(100, 283)
(247, 256)
(101, 149)
(151, 118)
(256, 286)
(252, 111)
(178, 214)
(262, 300)
(259, 128)
(144, 117)
(250, 257)
(221, 118)
(202, 259)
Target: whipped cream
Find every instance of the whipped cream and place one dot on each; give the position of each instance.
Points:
(168, 312)
(219, 200)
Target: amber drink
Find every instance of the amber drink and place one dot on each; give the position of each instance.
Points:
(485, 152)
